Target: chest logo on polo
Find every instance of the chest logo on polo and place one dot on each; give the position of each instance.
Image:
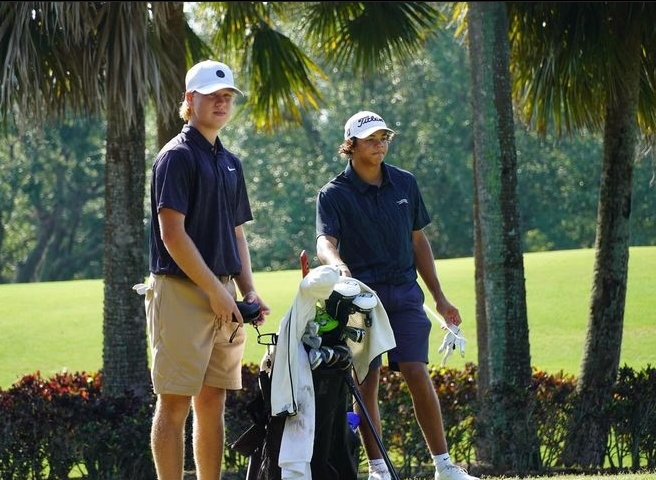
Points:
(402, 201)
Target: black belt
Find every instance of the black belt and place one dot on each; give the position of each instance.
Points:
(222, 278)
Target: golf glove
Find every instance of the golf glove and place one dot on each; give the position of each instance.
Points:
(451, 341)
(141, 288)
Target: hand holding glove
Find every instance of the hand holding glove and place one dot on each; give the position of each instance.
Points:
(451, 340)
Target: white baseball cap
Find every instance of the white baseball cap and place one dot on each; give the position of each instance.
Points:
(208, 77)
(363, 124)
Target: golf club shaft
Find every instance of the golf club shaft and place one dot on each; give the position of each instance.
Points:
(358, 398)
(440, 319)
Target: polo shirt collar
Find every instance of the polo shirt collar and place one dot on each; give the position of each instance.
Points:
(201, 141)
(360, 184)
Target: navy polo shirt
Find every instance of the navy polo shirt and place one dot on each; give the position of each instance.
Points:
(373, 225)
(205, 182)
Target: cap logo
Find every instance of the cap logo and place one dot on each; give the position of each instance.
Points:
(220, 74)
(371, 118)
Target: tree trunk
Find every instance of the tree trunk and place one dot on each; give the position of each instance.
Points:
(173, 33)
(589, 427)
(125, 346)
(483, 372)
(507, 432)
(484, 450)
(125, 359)
(28, 269)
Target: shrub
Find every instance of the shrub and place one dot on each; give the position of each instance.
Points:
(552, 409)
(50, 427)
(40, 419)
(633, 419)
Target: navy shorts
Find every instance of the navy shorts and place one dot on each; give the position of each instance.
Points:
(404, 305)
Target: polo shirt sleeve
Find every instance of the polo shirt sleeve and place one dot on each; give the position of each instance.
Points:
(421, 217)
(173, 181)
(327, 218)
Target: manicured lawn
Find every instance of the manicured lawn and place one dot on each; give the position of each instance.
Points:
(627, 476)
(52, 326)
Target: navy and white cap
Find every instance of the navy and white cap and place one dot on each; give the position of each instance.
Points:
(208, 77)
(363, 124)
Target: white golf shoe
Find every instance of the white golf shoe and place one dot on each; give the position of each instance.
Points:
(454, 472)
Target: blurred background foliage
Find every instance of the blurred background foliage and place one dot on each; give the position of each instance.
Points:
(52, 190)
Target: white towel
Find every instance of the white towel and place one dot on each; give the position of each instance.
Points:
(292, 390)
(297, 442)
(378, 339)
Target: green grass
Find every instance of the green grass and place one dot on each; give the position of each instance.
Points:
(362, 475)
(629, 476)
(53, 326)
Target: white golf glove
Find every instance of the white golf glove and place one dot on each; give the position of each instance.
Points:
(451, 340)
(141, 288)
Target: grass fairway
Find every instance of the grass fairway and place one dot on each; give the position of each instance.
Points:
(52, 326)
(629, 476)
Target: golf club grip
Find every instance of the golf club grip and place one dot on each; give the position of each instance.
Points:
(305, 266)
(249, 311)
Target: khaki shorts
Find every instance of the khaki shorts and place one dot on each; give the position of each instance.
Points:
(189, 347)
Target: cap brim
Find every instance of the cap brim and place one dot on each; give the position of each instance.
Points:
(215, 87)
(369, 131)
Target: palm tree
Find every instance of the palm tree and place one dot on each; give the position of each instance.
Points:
(89, 57)
(591, 66)
(507, 434)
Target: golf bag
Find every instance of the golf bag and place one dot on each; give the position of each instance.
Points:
(325, 343)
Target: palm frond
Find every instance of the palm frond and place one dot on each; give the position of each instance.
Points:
(281, 79)
(567, 58)
(76, 56)
(233, 26)
(366, 35)
(40, 75)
